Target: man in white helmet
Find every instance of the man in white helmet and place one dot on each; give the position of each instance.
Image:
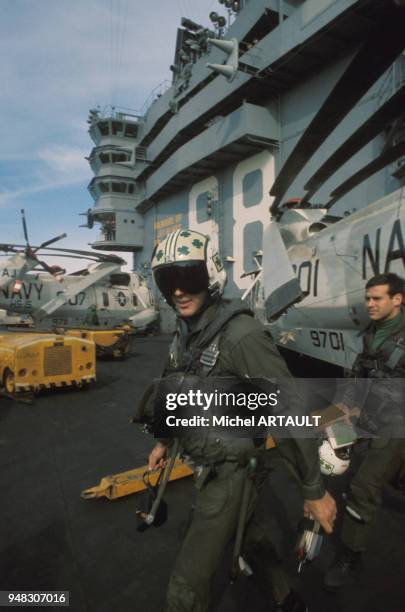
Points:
(217, 337)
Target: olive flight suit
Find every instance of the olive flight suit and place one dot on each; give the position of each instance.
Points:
(383, 417)
(241, 348)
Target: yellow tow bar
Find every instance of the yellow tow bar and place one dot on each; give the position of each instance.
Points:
(126, 483)
(131, 481)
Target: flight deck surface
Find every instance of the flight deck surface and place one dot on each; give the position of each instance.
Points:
(51, 539)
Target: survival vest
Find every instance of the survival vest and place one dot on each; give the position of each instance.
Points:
(201, 357)
(196, 354)
(383, 401)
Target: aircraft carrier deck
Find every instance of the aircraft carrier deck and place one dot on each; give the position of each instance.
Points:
(52, 539)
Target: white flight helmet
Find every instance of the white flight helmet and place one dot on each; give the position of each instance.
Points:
(333, 462)
(187, 260)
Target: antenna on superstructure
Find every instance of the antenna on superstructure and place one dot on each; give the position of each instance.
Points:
(233, 7)
(219, 23)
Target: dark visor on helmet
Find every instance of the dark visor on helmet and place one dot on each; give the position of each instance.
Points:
(190, 278)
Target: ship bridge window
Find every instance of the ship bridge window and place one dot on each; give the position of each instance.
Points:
(119, 187)
(108, 158)
(123, 187)
(117, 128)
(104, 128)
(104, 187)
(131, 130)
(104, 158)
(105, 299)
(134, 300)
(120, 157)
(252, 188)
(115, 187)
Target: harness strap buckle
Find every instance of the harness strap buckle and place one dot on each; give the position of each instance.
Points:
(209, 356)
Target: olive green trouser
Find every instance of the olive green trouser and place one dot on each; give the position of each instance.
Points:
(382, 461)
(213, 525)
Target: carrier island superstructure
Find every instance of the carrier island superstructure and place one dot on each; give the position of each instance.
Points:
(207, 150)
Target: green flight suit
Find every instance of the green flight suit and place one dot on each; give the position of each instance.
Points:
(385, 454)
(245, 349)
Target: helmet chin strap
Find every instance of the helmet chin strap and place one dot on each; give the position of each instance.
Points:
(214, 291)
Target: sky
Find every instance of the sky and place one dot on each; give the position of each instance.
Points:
(58, 59)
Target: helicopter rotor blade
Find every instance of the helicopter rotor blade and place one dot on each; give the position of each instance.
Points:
(24, 224)
(98, 256)
(8, 248)
(68, 255)
(51, 241)
(46, 267)
(94, 255)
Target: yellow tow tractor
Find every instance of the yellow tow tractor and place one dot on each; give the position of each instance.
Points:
(109, 342)
(30, 361)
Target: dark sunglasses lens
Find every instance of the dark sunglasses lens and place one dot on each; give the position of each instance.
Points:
(193, 279)
(190, 279)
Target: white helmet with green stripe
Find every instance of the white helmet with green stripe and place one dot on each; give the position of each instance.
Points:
(334, 462)
(186, 260)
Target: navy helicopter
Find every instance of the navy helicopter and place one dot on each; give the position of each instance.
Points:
(101, 295)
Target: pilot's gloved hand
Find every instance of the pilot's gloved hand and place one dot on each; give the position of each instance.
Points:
(323, 510)
(157, 457)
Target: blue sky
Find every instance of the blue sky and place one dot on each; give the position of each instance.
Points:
(59, 58)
